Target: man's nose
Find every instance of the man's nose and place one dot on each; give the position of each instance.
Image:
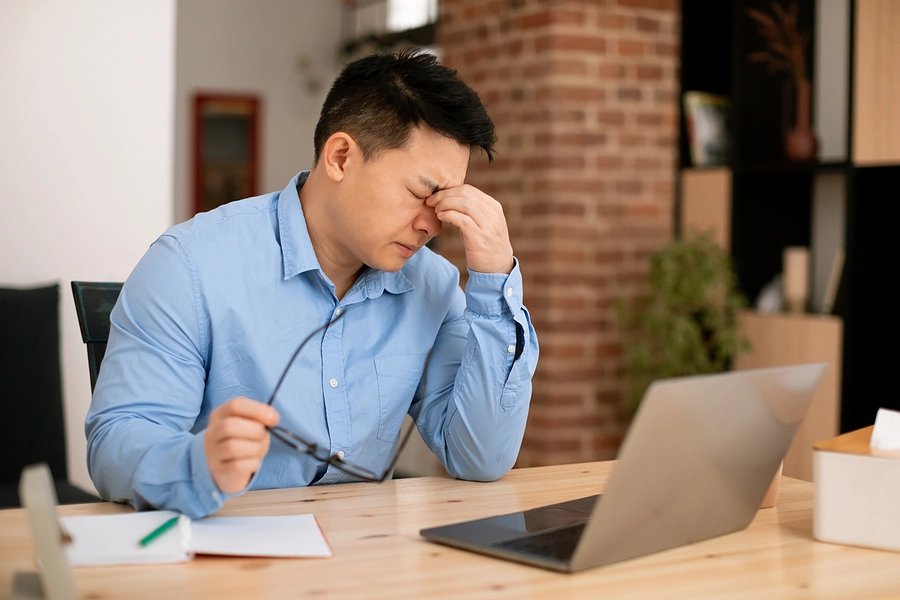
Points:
(427, 222)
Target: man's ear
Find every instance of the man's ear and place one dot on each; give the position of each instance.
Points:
(339, 151)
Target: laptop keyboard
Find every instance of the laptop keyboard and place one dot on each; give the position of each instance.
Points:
(557, 544)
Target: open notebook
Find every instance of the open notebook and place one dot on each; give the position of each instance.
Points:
(114, 539)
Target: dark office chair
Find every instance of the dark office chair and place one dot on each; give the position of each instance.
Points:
(93, 303)
(31, 411)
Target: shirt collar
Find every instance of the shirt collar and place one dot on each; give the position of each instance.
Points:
(298, 254)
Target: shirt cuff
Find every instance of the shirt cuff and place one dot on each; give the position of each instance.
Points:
(488, 293)
(208, 495)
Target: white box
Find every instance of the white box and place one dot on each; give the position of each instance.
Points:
(857, 492)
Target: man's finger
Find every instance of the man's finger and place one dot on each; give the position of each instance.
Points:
(242, 467)
(461, 220)
(238, 427)
(250, 409)
(234, 449)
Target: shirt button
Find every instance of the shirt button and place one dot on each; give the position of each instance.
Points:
(509, 292)
(338, 311)
(333, 382)
(510, 349)
(215, 495)
(340, 454)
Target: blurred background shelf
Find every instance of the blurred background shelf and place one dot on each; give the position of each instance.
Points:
(761, 202)
(789, 339)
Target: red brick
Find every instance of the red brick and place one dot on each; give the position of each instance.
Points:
(554, 116)
(645, 24)
(576, 422)
(606, 21)
(648, 163)
(629, 187)
(584, 43)
(666, 97)
(668, 5)
(609, 443)
(552, 208)
(579, 93)
(666, 49)
(611, 71)
(570, 139)
(652, 72)
(611, 117)
(547, 17)
(538, 19)
(561, 351)
(609, 162)
(591, 186)
(666, 141)
(629, 94)
(556, 67)
(609, 256)
(631, 48)
(455, 37)
(605, 351)
(632, 140)
(554, 162)
(554, 445)
(649, 119)
(473, 11)
(644, 210)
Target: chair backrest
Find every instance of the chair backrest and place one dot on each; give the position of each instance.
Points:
(93, 302)
(31, 410)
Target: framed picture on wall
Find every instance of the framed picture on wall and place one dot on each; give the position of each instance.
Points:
(226, 149)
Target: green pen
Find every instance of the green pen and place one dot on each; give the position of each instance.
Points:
(158, 531)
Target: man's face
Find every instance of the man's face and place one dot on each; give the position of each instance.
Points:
(382, 208)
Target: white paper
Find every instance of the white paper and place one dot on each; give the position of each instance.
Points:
(886, 433)
(114, 539)
(291, 535)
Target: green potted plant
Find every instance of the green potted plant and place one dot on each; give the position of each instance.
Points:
(686, 324)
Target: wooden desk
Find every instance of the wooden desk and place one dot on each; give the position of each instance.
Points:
(374, 531)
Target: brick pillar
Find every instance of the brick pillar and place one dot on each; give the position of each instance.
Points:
(584, 96)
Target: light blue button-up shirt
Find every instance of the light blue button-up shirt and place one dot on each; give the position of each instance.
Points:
(215, 309)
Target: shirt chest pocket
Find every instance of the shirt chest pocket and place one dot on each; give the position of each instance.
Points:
(398, 377)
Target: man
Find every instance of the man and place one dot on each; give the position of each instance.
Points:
(212, 313)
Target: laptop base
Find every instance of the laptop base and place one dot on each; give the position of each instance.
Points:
(530, 537)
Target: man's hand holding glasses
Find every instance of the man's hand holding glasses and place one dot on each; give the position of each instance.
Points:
(236, 441)
(237, 437)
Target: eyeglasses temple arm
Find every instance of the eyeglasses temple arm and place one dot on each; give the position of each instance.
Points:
(297, 352)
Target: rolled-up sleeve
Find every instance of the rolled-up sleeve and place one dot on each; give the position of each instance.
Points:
(479, 434)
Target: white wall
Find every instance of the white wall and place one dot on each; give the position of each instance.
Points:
(271, 48)
(86, 90)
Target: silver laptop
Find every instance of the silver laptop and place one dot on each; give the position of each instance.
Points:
(695, 464)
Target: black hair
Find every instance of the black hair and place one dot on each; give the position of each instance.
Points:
(379, 99)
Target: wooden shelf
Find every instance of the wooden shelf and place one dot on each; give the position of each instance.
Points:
(706, 203)
(828, 204)
(876, 70)
(789, 339)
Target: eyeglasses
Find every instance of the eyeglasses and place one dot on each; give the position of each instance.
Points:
(322, 454)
